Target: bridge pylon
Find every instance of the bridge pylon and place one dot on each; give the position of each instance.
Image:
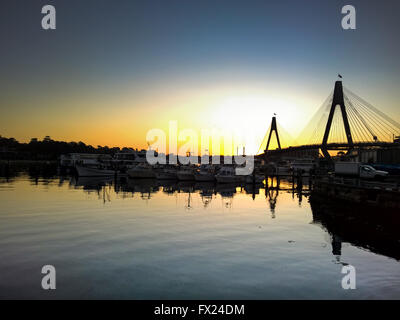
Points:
(337, 100)
(273, 128)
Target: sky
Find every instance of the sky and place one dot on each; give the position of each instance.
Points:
(115, 69)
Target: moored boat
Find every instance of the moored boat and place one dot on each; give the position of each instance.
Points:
(303, 165)
(83, 171)
(227, 175)
(166, 174)
(142, 170)
(70, 160)
(185, 174)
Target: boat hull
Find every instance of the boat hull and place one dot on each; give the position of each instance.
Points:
(93, 172)
(185, 176)
(165, 176)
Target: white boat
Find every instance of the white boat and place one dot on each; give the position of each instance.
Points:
(142, 170)
(93, 171)
(70, 160)
(185, 174)
(130, 157)
(205, 173)
(227, 175)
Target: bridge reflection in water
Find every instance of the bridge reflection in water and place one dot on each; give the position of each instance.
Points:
(361, 226)
(374, 229)
(145, 188)
(256, 241)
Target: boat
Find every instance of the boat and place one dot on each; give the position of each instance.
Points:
(302, 165)
(142, 170)
(166, 174)
(185, 174)
(86, 171)
(205, 173)
(130, 157)
(227, 175)
(70, 160)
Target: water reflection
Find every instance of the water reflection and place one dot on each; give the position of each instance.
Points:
(360, 226)
(35, 169)
(377, 233)
(216, 241)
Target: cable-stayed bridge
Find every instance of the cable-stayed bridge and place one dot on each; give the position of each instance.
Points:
(344, 122)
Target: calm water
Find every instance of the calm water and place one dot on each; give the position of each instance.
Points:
(143, 240)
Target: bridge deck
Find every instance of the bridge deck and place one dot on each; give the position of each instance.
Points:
(336, 146)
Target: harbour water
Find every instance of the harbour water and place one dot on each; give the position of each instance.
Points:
(142, 239)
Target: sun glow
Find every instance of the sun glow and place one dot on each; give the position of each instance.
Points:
(247, 117)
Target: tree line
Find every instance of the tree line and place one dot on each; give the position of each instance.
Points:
(48, 149)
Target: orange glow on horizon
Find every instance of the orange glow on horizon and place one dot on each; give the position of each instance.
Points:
(122, 119)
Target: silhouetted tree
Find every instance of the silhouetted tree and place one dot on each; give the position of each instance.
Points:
(48, 149)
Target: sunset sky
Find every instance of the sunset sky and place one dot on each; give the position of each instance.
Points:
(112, 70)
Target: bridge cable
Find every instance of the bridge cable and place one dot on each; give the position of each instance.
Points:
(360, 117)
(359, 130)
(378, 123)
(370, 106)
(384, 127)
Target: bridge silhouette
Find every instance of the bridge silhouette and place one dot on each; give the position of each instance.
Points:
(344, 122)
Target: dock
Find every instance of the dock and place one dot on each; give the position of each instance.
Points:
(373, 193)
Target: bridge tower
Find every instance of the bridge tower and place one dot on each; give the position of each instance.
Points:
(337, 100)
(273, 128)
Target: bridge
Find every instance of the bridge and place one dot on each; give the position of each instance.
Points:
(345, 122)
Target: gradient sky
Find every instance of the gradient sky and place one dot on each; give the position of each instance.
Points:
(112, 70)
